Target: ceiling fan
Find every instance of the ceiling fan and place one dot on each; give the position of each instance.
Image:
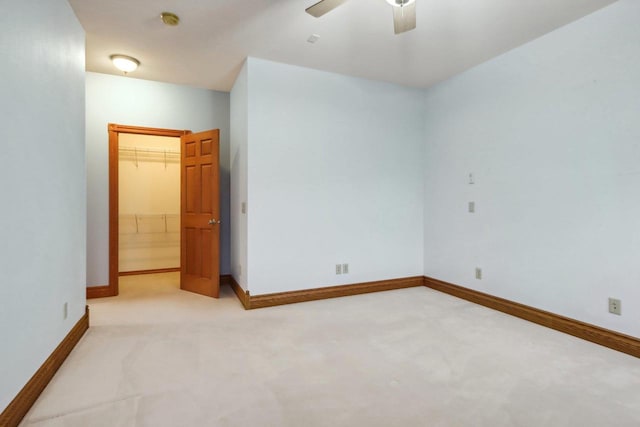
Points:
(404, 12)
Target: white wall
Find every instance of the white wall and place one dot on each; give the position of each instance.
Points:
(334, 176)
(129, 101)
(551, 131)
(238, 167)
(42, 171)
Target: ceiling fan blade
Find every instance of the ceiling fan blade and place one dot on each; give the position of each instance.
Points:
(404, 18)
(323, 6)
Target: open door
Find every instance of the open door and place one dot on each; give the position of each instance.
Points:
(200, 213)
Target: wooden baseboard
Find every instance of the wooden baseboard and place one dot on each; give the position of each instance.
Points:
(20, 405)
(270, 300)
(243, 295)
(605, 337)
(156, 271)
(101, 292)
(225, 279)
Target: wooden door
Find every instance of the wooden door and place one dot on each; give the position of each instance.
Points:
(200, 213)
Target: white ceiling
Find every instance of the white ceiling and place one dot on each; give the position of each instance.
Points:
(208, 47)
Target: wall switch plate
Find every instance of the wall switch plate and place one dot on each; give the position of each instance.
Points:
(615, 306)
(478, 273)
(472, 207)
(243, 207)
(338, 268)
(345, 268)
(65, 310)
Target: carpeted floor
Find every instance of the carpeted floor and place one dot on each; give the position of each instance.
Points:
(157, 356)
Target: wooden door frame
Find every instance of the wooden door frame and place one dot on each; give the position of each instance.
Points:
(115, 130)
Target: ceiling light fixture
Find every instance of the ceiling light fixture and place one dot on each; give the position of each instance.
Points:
(170, 19)
(125, 63)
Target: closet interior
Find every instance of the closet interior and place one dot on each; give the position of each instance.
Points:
(149, 203)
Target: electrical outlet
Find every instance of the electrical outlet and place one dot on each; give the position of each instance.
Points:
(471, 179)
(65, 310)
(472, 207)
(240, 270)
(615, 306)
(345, 268)
(478, 273)
(243, 207)
(338, 268)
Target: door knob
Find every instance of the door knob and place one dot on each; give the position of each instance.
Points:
(213, 221)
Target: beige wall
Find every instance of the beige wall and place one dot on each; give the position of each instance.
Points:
(149, 198)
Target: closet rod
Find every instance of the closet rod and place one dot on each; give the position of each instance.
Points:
(135, 150)
(141, 217)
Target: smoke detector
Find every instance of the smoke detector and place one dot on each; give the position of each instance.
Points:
(170, 19)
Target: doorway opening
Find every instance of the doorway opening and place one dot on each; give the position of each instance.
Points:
(148, 204)
(158, 226)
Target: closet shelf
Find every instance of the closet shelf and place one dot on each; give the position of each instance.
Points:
(149, 223)
(149, 154)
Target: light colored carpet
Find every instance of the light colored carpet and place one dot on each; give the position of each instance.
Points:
(157, 356)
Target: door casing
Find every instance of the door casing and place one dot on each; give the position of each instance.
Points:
(112, 289)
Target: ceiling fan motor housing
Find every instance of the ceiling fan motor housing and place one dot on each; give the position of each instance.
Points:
(400, 3)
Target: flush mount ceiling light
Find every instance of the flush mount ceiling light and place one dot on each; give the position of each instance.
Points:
(125, 63)
(170, 19)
